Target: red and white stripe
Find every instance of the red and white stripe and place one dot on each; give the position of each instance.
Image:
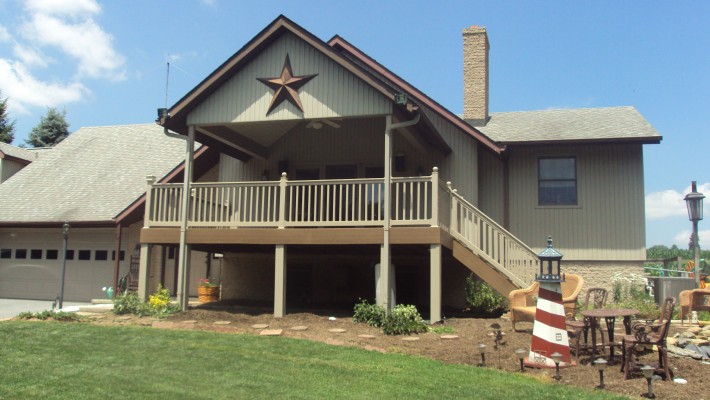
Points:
(549, 330)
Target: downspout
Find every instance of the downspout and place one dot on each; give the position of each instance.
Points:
(385, 261)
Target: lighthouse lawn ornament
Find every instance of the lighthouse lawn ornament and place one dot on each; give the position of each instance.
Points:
(549, 329)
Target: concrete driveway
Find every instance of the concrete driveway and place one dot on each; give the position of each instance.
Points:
(12, 307)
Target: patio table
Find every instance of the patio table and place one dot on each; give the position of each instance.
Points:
(610, 315)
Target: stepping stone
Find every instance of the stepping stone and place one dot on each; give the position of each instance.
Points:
(260, 326)
(299, 328)
(189, 321)
(366, 336)
(271, 332)
(222, 322)
(6, 319)
(336, 330)
(410, 339)
(162, 325)
(121, 319)
(448, 337)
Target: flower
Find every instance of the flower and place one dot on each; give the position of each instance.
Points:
(206, 283)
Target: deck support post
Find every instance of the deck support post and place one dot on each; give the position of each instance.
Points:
(384, 284)
(144, 271)
(435, 283)
(280, 281)
(183, 289)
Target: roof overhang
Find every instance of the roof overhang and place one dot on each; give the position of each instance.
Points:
(644, 140)
(58, 224)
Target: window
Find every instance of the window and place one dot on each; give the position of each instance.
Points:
(70, 255)
(101, 255)
(171, 253)
(122, 255)
(36, 254)
(5, 253)
(20, 254)
(557, 181)
(84, 255)
(52, 254)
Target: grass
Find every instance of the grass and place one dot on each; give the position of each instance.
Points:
(79, 361)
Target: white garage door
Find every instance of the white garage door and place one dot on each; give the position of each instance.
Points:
(30, 263)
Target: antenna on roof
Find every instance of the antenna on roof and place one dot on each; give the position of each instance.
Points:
(167, 81)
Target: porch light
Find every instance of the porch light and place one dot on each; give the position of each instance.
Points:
(482, 350)
(65, 233)
(400, 99)
(520, 354)
(552, 259)
(162, 113)
(600, 364)
(557, 357)
(694, 202)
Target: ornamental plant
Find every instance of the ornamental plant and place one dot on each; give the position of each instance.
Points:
(207, 283)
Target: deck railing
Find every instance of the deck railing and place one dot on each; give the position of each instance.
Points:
(422, 201)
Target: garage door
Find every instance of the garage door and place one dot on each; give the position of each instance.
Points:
(30, 264)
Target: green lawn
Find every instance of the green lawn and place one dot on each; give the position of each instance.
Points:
(55, 360)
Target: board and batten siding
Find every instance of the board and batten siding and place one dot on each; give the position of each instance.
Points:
(334, 93)
(608, 222)
(490, 190)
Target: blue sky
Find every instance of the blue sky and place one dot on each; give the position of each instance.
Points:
(104, 63)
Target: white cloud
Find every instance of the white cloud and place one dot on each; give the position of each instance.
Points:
(682, 238)
(51, 33)
(670, 203)
(24, 90)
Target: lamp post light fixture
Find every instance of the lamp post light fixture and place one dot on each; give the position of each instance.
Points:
(65, 233)
(557, 357)
(648, 374)
(600, 363)
(520, 354)
(694, 202)
(482, 350)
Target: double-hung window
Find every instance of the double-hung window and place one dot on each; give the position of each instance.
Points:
(557, 181)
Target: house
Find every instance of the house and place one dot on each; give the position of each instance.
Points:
(338, 180)
(95, 180)
(13, 159)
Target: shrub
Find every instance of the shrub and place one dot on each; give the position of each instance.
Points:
(630, 292)
(483, 299)
(404, 320)
(47, 314)
(158, 304)
(372, 314)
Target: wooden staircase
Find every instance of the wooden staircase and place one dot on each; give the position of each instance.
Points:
(489, 250)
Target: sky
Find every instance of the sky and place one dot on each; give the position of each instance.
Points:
(104, 63)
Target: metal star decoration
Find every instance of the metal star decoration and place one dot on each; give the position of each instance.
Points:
(286, 86)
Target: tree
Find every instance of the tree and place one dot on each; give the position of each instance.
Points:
(7, 127)
(52, 129)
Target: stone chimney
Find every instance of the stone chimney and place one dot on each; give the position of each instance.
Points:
(475, 75)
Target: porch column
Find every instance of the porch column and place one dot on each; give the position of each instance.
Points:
(280, 281)
(183, 289)
(117, 258)
(384, 285)
(435, 283)
(144, 271)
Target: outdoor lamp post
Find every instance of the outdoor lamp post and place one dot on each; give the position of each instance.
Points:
(648, 374)
(65, 233)
(520, 353)
(482, 350)
(557, 357)
(600, 363)
(694, 202)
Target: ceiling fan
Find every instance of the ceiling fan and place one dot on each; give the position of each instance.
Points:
(318, 124)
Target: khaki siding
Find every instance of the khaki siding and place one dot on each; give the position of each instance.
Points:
(490, 178)
(9, 168)
(335, 92)
(607, 224)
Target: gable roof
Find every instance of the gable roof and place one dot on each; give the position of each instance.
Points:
(18, 153)
(90, 177)
(337, 50)
(611, 124)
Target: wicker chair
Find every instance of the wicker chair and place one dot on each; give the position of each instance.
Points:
(644, 337)
(522, 302)
(576, 328)
(693, 300)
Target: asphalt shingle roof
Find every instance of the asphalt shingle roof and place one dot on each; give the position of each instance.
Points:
(19, 152)
(569, 125)
(92, 175)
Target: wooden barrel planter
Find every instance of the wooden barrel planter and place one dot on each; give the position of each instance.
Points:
(206, 294)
